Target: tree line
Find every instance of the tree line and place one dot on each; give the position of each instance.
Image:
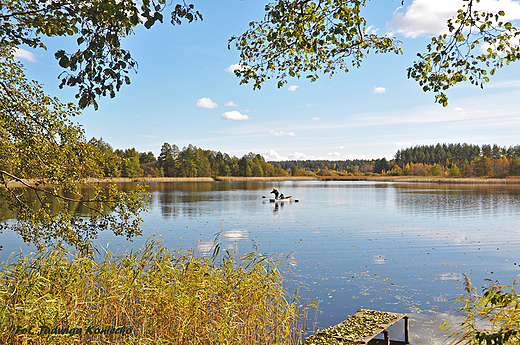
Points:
(446, 154)
(189, 161)
(450, 160)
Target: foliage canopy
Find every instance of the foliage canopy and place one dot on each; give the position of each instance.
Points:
(100, 66)
(305, 37)
(479, 43)
(44, 151)
(295, 38)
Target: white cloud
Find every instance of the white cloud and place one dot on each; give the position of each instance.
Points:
(24, 54)
(460, 110)
(279, 134)
(316, 118)
(206, 103)
(272, 155)
(234, 67)
(234, 115)
(293, 88)
(379, 89)
(335, 154)
(424, 17)
(340, 147)
(402, 144)
(137, 115)
(298, 156)
(231, 104)
(309, 105)
(371, 30)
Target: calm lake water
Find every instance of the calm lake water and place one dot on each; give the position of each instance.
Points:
(399, 247)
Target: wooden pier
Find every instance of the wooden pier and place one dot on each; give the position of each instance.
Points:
(362, 328)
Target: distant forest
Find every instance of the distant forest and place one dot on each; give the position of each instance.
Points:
(465, 160)
(189, 161)
(453, 160)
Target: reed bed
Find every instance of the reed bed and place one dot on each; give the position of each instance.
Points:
(153, 296)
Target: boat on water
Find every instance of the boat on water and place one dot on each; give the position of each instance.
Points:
(279, 197)
(287, 198)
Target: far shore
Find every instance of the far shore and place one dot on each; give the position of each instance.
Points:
(408, 179)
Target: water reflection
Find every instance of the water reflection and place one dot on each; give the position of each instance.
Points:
(390, 246)
(457, 200)
(230, 241)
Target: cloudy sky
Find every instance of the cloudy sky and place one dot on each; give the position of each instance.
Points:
(185, 92)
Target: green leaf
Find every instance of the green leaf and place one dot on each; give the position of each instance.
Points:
(64, 61)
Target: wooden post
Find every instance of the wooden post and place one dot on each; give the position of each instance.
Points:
(387, 337)
(406, 340)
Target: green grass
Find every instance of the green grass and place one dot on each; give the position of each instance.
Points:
(159, 296)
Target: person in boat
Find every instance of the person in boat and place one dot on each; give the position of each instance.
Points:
(276, 193)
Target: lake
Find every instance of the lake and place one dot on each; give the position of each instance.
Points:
(399, 247)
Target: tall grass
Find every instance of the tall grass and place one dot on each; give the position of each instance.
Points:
(153, 296)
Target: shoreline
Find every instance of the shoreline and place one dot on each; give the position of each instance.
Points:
(407, 179)
(395, 179)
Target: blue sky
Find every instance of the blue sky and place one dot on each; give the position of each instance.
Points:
(184, 93)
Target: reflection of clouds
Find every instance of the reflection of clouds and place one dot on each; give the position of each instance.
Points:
(230, 240)
(450, 276)
(235, 234)
(232, 237)
(379, 259)
(459, 238)
(424, 328)
(205, 248)
(441, 298)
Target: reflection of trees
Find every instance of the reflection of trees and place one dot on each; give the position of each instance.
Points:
(461, 200)
(54, 204)
(175, 198)
(172, 197)
(204, 186)
(5, 212)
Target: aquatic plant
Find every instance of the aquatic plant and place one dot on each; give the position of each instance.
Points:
(153, 296)
(491, 318)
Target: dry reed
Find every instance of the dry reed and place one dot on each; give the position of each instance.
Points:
(154, 296)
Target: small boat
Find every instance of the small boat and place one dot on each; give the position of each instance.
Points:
(287, 198)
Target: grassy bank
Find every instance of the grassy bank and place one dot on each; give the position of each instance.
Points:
(414, 179)
(154, 296)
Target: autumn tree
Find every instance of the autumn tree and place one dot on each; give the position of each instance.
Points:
(110, 162)
(100, 65)
(514, 167)
(481, 167)
(479, 43)
(454, 171)
(295, 38)
(42, 150)
(302, 38)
